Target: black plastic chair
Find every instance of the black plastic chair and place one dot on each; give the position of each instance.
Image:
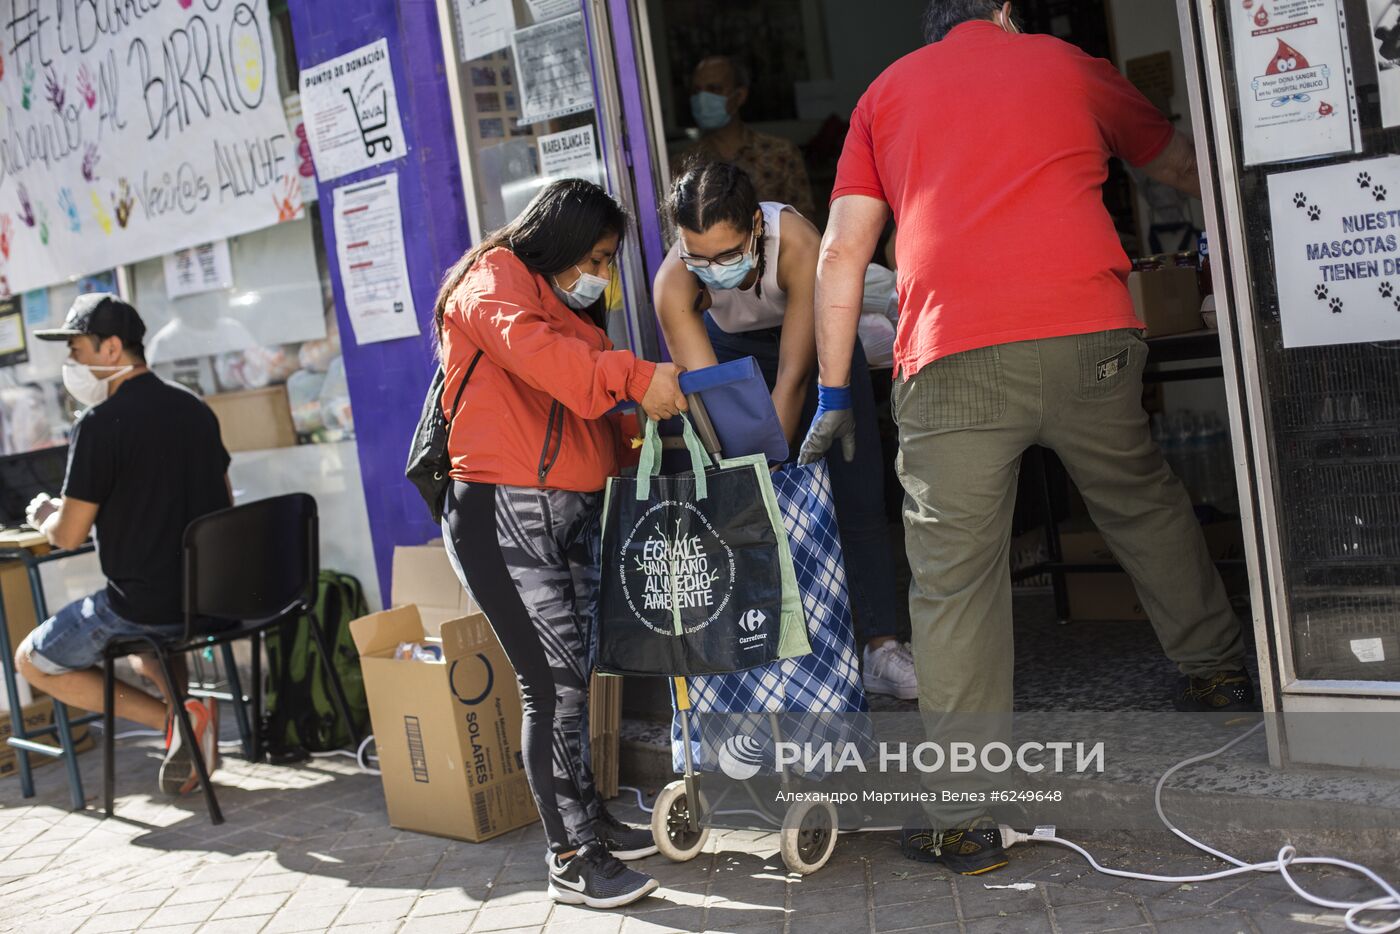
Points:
(247, 569)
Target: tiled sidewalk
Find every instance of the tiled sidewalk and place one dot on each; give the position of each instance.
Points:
(308, 848)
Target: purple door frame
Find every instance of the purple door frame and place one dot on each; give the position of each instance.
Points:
(387, 380)
(637, 144)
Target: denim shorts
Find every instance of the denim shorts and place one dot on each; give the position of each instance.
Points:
(73, 638)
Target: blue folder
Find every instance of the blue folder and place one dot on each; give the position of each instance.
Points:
(740, 408)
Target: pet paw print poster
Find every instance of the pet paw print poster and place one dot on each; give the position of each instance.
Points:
(1336, 237)
(1294, 79)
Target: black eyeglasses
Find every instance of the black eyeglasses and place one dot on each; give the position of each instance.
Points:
(732, 258)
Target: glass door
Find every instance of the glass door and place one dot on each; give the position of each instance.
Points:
(536, 98)
(1300, 114)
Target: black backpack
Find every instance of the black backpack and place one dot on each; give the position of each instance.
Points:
(299, 707)
(428, 460)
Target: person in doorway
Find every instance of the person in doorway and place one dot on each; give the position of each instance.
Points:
(144, 460)
(1015, 328)
(719, 88)
(519, 323)
(738, 283)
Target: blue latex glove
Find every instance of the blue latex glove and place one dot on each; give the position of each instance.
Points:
(834, 420)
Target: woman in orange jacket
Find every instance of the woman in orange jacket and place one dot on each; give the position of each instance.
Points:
(533, 377)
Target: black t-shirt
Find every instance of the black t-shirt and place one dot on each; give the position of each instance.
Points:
(152, 460)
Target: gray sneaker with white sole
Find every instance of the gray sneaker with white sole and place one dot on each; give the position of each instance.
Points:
(596, 878)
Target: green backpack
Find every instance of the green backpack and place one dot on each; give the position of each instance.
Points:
(299, 707)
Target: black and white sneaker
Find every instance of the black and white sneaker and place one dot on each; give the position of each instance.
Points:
(596, 878)
(623, 840)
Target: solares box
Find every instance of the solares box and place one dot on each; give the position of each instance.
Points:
(447, 731)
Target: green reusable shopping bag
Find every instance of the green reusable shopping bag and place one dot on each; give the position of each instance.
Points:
(697, 577)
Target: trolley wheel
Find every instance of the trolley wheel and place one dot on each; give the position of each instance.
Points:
(670, 825)
(808, 836)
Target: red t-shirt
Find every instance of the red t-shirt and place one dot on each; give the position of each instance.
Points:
(992, 150)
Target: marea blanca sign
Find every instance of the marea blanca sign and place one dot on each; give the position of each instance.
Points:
(130, 128)
(1336, 237)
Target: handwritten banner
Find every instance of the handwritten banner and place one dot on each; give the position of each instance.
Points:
(134, 129)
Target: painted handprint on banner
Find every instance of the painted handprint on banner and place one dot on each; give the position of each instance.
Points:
(85, 87)
(90, 158)
(27, 79)
(289, 201)
(55, 91)
(7, 228)
(70, 208)
(26, 209)
(43, 225)
(122, 202)
(99, 212)
(2, 65)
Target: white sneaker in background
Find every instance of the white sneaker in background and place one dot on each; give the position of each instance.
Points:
(889, 669)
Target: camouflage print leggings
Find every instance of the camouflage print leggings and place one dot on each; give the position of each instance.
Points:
(530, 560)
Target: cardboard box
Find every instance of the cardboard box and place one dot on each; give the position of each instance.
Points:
(1167, 300)
(37, 716)
(604, 738)
(423, 577)
(447, 732)
(1112, 596)
(254, 420)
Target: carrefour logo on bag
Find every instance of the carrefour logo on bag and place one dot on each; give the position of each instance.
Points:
(675, 561)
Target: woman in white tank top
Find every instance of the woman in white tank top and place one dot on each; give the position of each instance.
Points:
(740, 282)
(752, 273)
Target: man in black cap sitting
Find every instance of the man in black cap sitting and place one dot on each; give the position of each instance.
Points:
(144, 459)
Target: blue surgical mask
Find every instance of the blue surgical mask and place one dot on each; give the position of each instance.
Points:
(587, 290)
(710, 110)
(725, 277)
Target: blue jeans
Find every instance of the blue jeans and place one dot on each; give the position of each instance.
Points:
(73, 638)
(858, 487)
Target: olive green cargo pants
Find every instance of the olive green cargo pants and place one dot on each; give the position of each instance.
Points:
(964, 421)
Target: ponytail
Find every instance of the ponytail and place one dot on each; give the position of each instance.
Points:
(712, 193)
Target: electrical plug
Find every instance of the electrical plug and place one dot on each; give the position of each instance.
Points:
(1010, 836)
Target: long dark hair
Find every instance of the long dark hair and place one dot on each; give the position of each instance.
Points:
(716, 193)
(559, 226)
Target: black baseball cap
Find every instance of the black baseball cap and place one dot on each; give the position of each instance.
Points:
(101, 315)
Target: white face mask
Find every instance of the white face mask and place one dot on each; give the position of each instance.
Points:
(86, 386)
(587, 290)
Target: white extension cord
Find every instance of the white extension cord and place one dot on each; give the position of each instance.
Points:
(1287, 855)
(362, 760)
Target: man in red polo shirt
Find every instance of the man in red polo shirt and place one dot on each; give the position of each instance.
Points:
(1016, 328)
